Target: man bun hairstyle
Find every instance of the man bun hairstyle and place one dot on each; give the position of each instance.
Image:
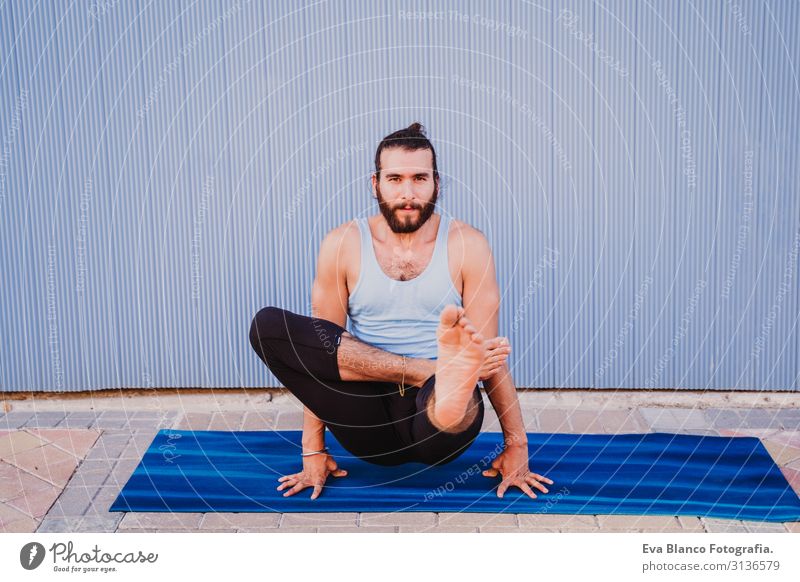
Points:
(411, 138)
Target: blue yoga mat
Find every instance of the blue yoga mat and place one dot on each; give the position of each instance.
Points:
(634, 474)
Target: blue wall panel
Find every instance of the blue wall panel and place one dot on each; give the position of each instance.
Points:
(169, 168)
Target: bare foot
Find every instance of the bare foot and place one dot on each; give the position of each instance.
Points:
(462, 352)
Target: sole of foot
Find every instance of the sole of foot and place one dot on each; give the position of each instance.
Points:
(462, 351)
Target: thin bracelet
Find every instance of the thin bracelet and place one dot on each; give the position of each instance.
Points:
(402, 386)
(325, 450)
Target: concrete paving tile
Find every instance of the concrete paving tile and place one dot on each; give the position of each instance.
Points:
(398, 518)
(18, 441)
(557, 521)
(73, 502)
(78, 420)
(689, 418)
(622, 422)
(9, 515)
(161, 520)
(92, 473)
(585, 422)
(11, 481)
(143, 439)
(437, 529)
(530, 416)
(691, 524)
(789, 419)
(642, 530)
(280, 530)
(116, 424)
(45, 419)
(108, 446)
(194, 421)
(260, 421)
(105, 496)
(478, 519)
(48, 463)
(290, 420)
(715, 525)
(760, 418)
(148, 414)
(26, 483)
(697, 431)
(319, 519)
(492, 424)
(25, 525)
(553, 420)
(723, 418)
(126, 414)
(123, 469)
(637, 521)
(346, 529)
(79, 525)
(764, 527)
(780, 453)
(226, 421)
(76, 442)
(63, 525)
(15, 419)
(789, 438)
(159, 417)
(240, 520)
(180, 530)
(138, 425)
(759, 433)
(793, 527)
(137, 447)
(516, 530)
(35, 501)
(658, 418)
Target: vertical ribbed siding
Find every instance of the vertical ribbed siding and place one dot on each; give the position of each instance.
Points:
(176, 167)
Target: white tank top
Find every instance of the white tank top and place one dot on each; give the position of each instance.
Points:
(401, 316)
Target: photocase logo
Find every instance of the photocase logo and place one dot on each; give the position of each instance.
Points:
(31, 555)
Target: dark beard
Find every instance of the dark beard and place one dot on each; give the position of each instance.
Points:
(406, 225)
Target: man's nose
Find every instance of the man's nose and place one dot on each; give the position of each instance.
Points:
(405, 190)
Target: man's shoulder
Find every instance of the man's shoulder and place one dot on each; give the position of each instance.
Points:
(344, 234)
(468, 237)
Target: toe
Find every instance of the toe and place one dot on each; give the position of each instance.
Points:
(449, 315)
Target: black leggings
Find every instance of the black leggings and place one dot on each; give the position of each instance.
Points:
(370, 419)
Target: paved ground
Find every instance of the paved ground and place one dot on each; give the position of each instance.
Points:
(64, 459)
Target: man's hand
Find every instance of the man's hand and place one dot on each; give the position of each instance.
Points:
(512, 466)
(497, 350)
(316, 469)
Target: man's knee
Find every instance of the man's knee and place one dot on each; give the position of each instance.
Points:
(473, 414)
(266, 325)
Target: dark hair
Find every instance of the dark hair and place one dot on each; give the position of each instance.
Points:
(411, 138)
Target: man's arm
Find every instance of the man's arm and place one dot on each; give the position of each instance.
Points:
(481, 299)
(329, 297)
(329, 293)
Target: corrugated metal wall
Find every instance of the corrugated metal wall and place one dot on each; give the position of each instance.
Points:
(168, 168)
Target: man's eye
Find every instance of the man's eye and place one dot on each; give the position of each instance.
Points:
(421, 178)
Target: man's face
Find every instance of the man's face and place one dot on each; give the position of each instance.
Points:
(406, 192)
